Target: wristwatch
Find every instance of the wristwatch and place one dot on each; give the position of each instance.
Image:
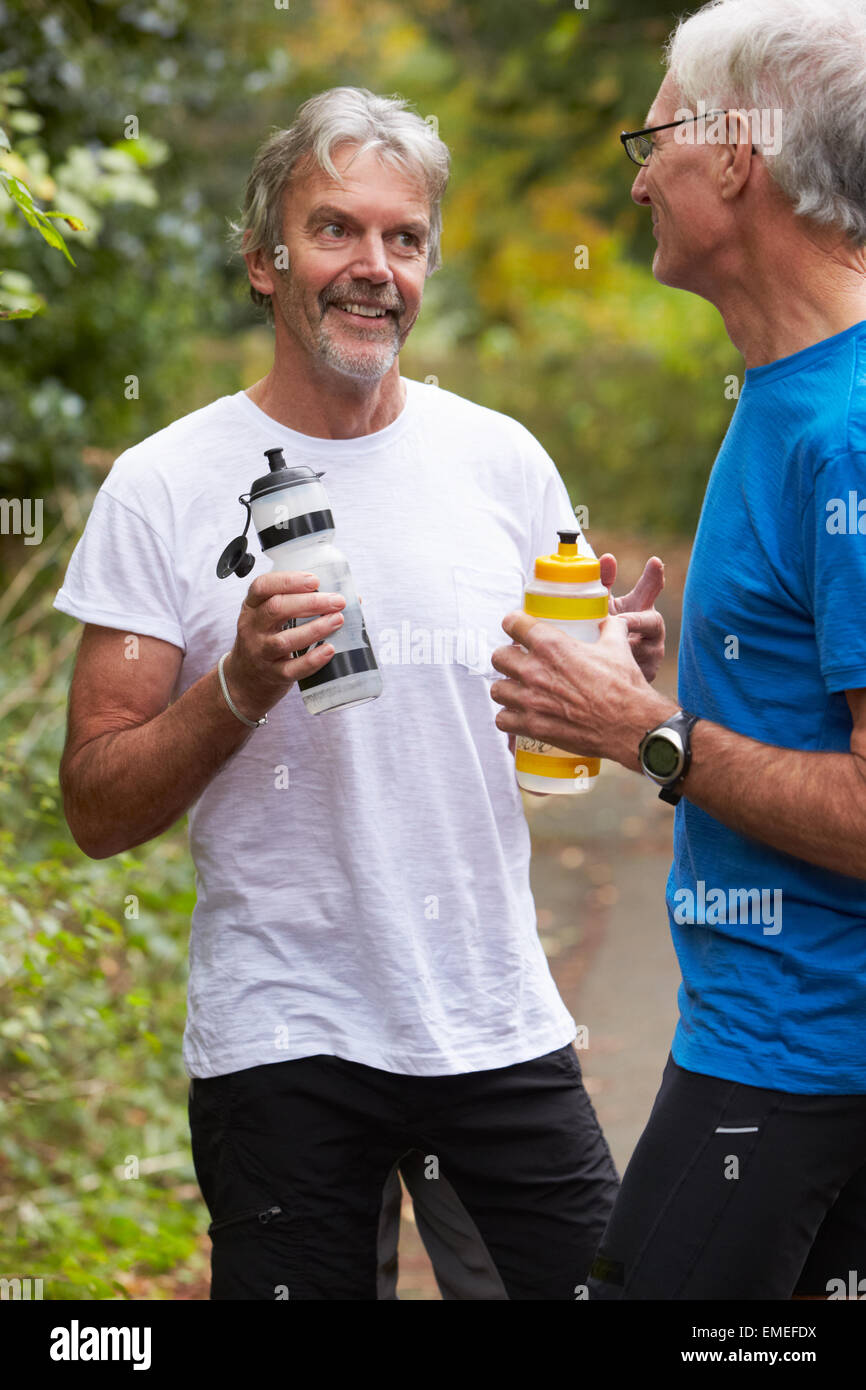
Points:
(665, 753)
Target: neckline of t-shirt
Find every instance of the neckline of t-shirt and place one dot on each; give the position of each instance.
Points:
(806, 357)
(331, 448)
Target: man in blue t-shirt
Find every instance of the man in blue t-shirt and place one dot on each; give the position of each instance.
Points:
(750, 1178)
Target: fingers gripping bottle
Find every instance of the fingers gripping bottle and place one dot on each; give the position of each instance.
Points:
(295, 526)
(566, 592)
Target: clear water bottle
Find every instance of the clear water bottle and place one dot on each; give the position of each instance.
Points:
(292, 516)
(566, 592)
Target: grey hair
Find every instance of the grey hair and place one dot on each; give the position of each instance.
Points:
(805, 59)
(342, 115)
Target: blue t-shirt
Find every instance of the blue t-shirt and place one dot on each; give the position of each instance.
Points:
(772, 949)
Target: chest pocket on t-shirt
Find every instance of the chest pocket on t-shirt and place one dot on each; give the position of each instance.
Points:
(483, 598)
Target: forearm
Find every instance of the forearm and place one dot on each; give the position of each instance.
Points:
(128, 785)
(810, 805)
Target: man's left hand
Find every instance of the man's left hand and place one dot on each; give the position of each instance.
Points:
(646, 626)
(589, 698)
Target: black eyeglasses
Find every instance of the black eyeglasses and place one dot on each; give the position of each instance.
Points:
(639, 148)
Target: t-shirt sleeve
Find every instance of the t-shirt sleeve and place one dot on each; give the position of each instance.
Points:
(553, 511)
(121, 575)
(835, 552)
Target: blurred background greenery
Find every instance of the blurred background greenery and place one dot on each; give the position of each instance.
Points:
(140, 119)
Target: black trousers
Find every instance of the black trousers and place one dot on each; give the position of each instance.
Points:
(736, 1192)
(511, 1178)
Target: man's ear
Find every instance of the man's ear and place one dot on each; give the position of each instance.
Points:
(260, 268)
(737, 155)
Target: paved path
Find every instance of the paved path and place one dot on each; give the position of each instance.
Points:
(598, 873)
(620, 978)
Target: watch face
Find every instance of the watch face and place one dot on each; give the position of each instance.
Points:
(661, 757)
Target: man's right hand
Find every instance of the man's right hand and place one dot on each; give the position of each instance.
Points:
(261, 667)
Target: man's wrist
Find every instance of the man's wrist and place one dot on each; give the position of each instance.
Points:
(648, 711)
(235, 695)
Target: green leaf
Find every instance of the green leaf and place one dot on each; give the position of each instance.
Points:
(17, 190)
(23, 198)
(51, 235)
(74, 222)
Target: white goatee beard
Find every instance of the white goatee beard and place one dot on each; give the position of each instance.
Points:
(363, 366)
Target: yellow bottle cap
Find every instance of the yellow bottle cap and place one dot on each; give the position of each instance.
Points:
(567, 566)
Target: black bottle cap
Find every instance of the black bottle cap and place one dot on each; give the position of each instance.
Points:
(280, 476)
(235, 559)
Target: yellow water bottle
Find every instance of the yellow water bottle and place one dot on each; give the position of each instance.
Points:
(566, 592)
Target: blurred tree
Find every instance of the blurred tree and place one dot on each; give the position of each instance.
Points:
(147, 119)
(102, 89)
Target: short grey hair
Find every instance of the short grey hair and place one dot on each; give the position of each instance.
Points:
(341, 116)
(806, 59)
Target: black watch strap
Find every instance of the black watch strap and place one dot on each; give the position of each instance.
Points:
(683, 723)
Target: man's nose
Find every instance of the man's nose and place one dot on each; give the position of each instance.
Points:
(371, 260)
(638, 188)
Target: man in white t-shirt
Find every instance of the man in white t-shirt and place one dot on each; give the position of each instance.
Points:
(367, 988)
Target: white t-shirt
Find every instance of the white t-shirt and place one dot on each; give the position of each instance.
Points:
(362, 876)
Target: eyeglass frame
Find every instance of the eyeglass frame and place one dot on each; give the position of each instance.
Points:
(627, 135)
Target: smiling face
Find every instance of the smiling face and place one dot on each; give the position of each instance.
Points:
(357, 253)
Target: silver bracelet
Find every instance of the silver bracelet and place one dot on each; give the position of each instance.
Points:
(250, 723)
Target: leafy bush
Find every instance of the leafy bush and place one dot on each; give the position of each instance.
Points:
(92, 1002)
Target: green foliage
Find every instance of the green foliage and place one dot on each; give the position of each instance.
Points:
(92, 1008)
(99, 93)
(23, 303)
(92, 1004)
